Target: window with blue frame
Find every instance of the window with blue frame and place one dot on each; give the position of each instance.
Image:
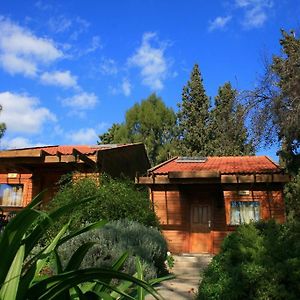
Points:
(244, 212)
(11, 194)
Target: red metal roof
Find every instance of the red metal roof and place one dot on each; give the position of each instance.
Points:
(68, 149)
(224, 165)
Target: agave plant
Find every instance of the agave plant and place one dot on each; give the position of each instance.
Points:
(21, 271)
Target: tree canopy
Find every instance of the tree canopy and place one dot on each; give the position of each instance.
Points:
(2, 126)
(229, 135)
(217, 131)
(275, 102)
(193, 117)
(150, 122)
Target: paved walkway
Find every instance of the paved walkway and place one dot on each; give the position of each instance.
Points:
(187, 270)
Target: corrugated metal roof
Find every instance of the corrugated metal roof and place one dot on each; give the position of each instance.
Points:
(68, 149)
(224, 165)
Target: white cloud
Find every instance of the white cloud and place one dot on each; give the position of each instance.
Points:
(256, 12)
(22, 52)
(151, 61)
(22, 113)
(17, 143)
(81, 101)
(59, 24)
(95, 44)
(126, 87)
(84, 136)
(219, 23)
(60, 78)
(108, 66)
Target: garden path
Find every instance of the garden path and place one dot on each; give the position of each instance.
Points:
(187, 269)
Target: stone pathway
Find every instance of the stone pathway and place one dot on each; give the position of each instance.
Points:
(187, 270)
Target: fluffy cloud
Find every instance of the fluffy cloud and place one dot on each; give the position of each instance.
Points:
(84, 136)
(17, 143)
(23, 52)
(126, 87)
(151, 61)
(256, 12)
(219, 23)
(108, 66)
(60, 78)
(81, 101)
(22, 113)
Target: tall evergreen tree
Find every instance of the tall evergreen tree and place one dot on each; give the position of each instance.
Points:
(275, 102)
(193, 117)
(149, 122)
(229, 134)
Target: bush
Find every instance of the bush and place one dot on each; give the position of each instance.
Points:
(258, 261)
(28, 275)
(292, 198)
(118, 237)
(114, 199)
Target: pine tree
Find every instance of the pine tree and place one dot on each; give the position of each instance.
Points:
(229, 134)
(193, 117)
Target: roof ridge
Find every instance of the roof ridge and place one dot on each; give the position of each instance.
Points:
(274, 163)
(161, 164)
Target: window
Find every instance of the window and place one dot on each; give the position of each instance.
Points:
(11, 194)
(244, 212)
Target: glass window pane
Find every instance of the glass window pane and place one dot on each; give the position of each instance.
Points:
(11, 194)
(244, 212)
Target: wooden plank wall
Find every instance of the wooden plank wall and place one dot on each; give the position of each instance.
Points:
(172, 205)
(171, 211)
(271, 203)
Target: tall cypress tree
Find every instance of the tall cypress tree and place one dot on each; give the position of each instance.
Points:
(193, 117)
(229, 134)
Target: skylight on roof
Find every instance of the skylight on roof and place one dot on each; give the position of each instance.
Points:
(193, 159)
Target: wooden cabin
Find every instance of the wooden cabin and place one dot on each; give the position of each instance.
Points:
(26, 172)
(200, 200)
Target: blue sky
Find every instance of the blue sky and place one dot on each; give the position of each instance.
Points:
(69, 69)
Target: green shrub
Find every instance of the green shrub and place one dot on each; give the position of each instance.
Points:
(28, 275)
(292, 198)
(116, 238)
(114, 199)
(258, 261)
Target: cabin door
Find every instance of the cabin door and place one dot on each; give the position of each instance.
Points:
(200, 227)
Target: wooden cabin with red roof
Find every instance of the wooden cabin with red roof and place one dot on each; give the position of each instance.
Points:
(199, 200)
(26, 172)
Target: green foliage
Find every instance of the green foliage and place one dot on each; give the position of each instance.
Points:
(259, 261)
(193, 117)
(2, 126)
(149, 122)
(205, 132)
(113, 199)
(292, 198)
(116, 238)
(21, 271)
(275, 102)
(229, 134)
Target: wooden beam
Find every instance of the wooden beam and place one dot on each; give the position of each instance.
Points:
(84, 158)
(255, 178)
(67, 158)
(21, 153)
(51, 159)
(194, 174)
(166, 180)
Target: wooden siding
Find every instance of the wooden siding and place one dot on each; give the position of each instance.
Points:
(271, 203)
(172, 204)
